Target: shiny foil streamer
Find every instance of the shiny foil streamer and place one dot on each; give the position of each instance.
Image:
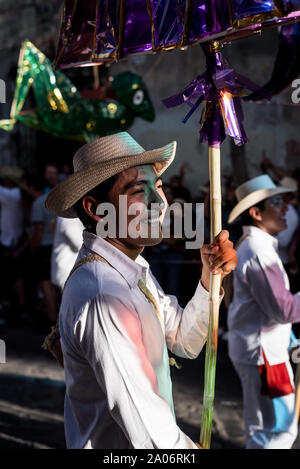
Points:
(208, 18)
(168, 21)
(246, 12)
(107, 30)
(78, 37)
(219, 89)
(137, 28)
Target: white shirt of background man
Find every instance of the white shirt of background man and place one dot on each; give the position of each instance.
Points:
(66, 244)
(12, 215)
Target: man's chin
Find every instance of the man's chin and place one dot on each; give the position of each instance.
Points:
(144, 242)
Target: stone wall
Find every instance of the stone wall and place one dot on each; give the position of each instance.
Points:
(272, 129)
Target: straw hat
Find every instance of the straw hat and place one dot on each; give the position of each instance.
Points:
(252, 192)
(289, 182)
(13, 173)
(99, 160)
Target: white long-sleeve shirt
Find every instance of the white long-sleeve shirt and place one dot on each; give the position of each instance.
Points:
(118, 385)
(12, 215)
(66, 244)
(285, 237)
(263, 308)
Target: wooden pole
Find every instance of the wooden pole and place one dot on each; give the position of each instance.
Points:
(297, 391)
(214, 295)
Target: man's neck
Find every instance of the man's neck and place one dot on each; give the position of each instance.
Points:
(263, 228)
(131, 251)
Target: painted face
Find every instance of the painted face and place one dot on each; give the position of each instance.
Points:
(273, 217)
(145, 205)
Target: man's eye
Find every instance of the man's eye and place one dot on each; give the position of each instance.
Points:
(159, 187)
(139, 191)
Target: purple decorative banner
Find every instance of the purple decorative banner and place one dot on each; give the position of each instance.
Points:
(107, 30)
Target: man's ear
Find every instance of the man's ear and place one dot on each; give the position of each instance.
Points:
(90, 206)
(255, 213)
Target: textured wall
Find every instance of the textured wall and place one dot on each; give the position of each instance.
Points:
(271, 128)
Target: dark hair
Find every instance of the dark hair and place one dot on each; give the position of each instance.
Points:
(246, 218)
(100, 193)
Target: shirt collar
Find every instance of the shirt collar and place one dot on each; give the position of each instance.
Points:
(131, 270)
(257, 233)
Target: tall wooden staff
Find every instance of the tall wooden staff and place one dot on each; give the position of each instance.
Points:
(218, 89)
(214, 300)
(297, 387)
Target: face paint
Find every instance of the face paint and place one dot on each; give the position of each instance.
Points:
(273, 216)
(143, 205)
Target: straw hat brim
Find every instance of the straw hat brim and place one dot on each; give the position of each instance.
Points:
(254, 198)
(63, 197)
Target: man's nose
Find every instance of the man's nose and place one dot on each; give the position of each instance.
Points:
(284, 208)
(155, 198)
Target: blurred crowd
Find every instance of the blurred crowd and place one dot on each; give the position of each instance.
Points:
(38, 250)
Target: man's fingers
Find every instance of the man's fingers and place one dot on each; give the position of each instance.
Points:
(209, 249)
(222, 237)
(225, 268)
(221, 260)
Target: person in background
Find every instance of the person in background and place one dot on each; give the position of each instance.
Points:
(228, 202)
(51, 176)
(12, 229)
(285, 238)
(66, 171)
(66, 244)
(43, 226)
(260, 317)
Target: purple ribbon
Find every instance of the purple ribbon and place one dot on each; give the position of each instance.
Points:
(219, 88)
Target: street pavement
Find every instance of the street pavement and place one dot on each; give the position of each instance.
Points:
(32, 394)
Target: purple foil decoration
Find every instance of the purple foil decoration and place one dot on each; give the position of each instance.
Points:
(287, 64)
(137, 28)
(77, 41)
(242, 9)
(107, 30)
(219, 88)
(168, 20)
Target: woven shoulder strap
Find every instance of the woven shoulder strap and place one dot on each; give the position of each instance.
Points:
(85, 260)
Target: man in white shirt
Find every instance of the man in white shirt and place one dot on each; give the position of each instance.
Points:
(66, 244)
(285, 237)
(12, 226)
(12, 211)
(116, 323)
(260, 318)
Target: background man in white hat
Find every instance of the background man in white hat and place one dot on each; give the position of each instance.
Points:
(115, 321)
(260, 318)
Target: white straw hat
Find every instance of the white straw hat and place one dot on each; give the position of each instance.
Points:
(289, 182)
(99, 160)
(252, 192)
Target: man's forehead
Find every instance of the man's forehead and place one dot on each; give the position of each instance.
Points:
(137, 173)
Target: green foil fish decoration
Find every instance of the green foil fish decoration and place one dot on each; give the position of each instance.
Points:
(63, 112)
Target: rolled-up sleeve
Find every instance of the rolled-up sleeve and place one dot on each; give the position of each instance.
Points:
(186, 328)
(110, 337)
